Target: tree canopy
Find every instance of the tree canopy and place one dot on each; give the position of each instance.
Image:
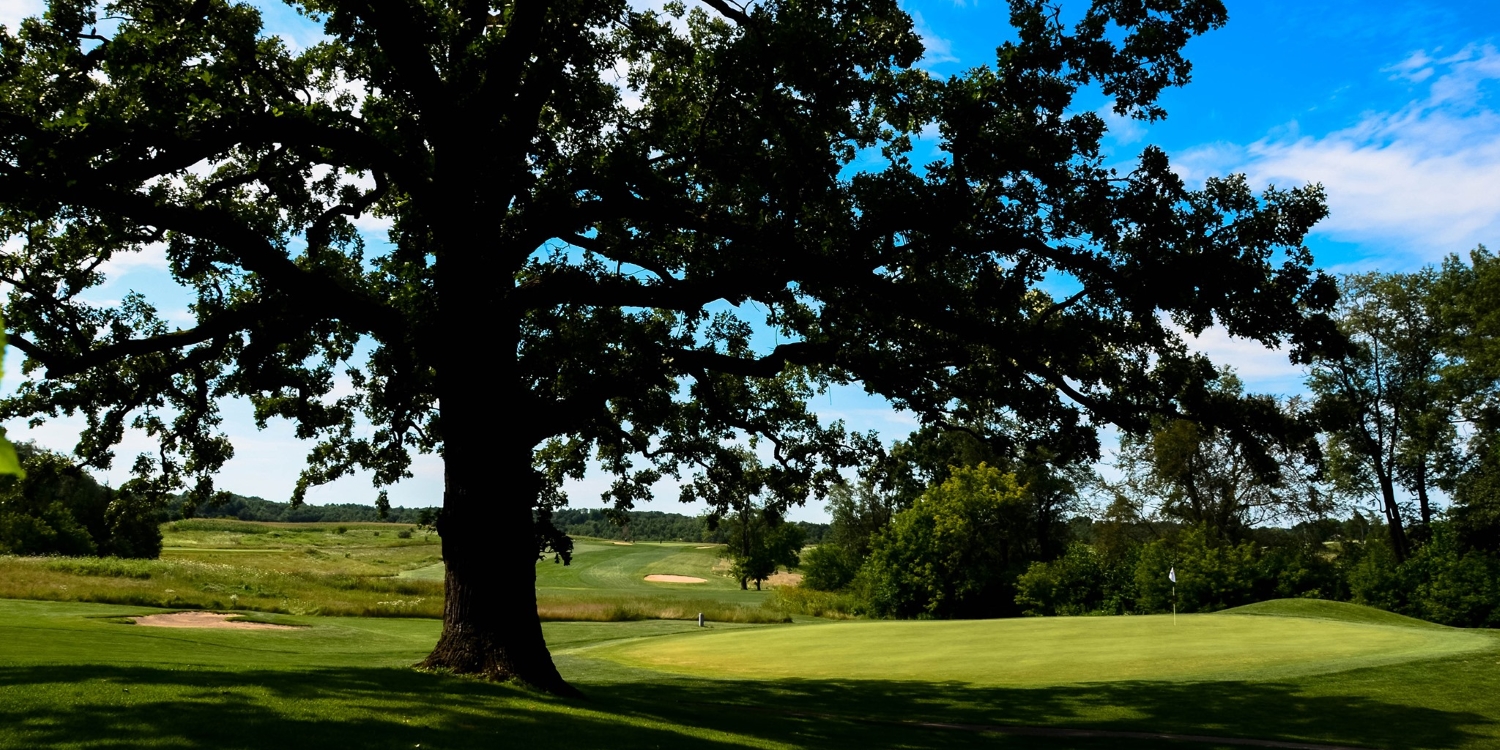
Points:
(591, 208)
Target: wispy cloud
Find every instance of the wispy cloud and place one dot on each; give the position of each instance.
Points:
(1262, 369)
(152, 257)
(12, 11)
(938, 49)
(1421, 181)
(1125, 130)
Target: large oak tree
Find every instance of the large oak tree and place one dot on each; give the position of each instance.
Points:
(592, 208)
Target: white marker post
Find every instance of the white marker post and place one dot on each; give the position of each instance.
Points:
(1172, 575)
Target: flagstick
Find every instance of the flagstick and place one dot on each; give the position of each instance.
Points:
(1174, 605)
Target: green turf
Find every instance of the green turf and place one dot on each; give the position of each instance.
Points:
(71, 675)
(1326, 610)
(1052, 651)
(601, 567)
(65, 670)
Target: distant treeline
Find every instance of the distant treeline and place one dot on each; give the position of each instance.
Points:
(653, 526)
(259, 509)
(640, 525)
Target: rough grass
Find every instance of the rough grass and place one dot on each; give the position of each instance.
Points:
(795, 600)
(188, 584)
(355, 569)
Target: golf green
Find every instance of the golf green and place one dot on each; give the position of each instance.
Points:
(1050, 651)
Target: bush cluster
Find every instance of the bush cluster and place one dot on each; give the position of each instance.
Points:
(966, 548)
(58, 509)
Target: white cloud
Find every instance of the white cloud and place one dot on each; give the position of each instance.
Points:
(1124, 129)
(1262, 369)
(12, 11)
(938, 49)
(1423, 180)
(152, 257)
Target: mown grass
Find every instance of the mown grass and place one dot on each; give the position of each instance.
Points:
(639, 607)
(71, 677)
(607, 582)
(1051, 651)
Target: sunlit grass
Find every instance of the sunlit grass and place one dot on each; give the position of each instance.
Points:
(382, 570)
(199, 585)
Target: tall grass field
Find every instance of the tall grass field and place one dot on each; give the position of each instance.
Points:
(76, 673)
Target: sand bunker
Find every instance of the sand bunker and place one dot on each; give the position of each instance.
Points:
(711, 546)
(675, 579)
(205, 620)
(625, 544)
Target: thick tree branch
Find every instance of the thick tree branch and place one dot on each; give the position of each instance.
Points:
(62, 365)
(319, 295)
(737, 15)
(771, 365)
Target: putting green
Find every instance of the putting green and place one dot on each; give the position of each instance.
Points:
(1049, 651)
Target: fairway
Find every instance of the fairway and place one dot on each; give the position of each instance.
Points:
(1053, 651)
(76, 674)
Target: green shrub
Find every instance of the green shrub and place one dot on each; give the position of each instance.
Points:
(403, 534)
(133, 531)
(1211, 574)
(955, 553)
(828, 567)
(1441, 581)
(1082, 581)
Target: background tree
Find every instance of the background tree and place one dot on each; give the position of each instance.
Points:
(1469, 295)
(592, 263)
(756, 537)
(956, 552)
(1222, 483)
(857, 513)
(56, 508)
(758, 543)
(1378, 402)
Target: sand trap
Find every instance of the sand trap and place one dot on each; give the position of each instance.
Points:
(675, 579)
(205, 620)
(711, 546)
(624, 544)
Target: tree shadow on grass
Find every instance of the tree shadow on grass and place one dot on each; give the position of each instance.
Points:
(1261, 710)
(118, 707)
(142, 707)
(137, 706)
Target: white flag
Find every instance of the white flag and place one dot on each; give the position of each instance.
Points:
(1172, 574)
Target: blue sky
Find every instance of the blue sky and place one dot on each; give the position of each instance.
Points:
(1390, 105)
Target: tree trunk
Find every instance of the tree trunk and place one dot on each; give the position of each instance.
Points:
(1393, 518)
(1422, 494)
(490, 623)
